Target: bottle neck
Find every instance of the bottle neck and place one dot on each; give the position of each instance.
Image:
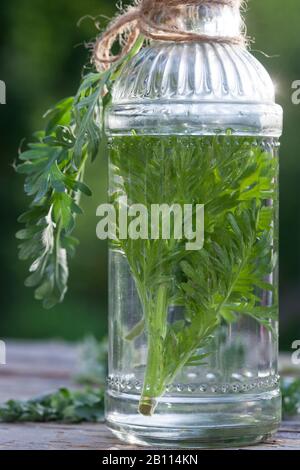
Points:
(211, 19)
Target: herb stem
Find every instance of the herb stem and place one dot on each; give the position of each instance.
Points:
(157, 329)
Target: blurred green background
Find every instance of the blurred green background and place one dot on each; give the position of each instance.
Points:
(42, 53)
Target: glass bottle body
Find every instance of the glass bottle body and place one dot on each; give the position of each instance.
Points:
(193, 332)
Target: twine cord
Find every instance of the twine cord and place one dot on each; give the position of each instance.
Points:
(143, 19)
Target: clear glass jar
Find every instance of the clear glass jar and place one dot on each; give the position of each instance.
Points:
(193, 332)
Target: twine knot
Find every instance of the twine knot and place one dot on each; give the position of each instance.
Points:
(144, 19)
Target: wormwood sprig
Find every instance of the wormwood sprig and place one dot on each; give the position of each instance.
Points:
(54, 166)
(62, 405)
(290, 389)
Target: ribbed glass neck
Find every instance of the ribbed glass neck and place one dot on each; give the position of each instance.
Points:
(210, 19)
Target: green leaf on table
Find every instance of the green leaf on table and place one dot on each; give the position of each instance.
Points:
(64, 405)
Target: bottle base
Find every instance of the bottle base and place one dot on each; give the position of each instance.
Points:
(212, 422)
(197, 439)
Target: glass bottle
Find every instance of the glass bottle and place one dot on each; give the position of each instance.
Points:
(193, 331)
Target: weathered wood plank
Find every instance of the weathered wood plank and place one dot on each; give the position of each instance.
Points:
(54, 437)
(96, 437)
(36, 368)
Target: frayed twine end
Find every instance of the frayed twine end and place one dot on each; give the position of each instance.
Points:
(142, 19)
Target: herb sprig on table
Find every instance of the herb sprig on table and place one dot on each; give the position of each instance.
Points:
(63, 405)
(290, 389)
(84, 404)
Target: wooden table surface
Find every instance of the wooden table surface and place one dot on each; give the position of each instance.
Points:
(37, 368)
